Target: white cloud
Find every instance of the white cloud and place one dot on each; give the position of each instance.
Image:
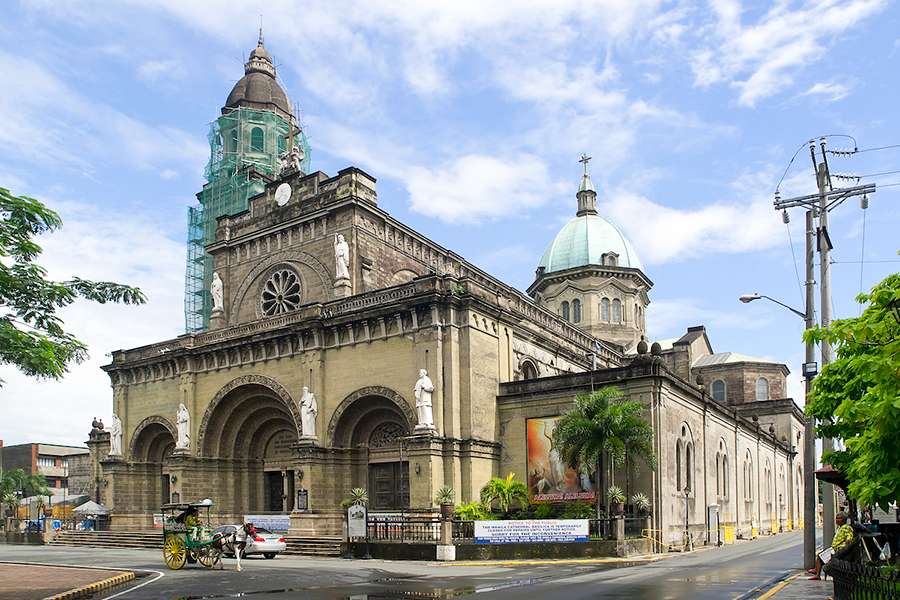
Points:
(760, 59)
(669, 318)
(830, 92)
(475, 187)
(168, 174)
(55, 124)
(152, 71)
(97, 244)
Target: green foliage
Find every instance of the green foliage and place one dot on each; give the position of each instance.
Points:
(32, 337)
(615, 494)
(444, 495)
(358, 496)
(641, 502)
(26, 485)
(857, 397)
(578, 510)
(473, 511)
(604, 421)
(544, 511)
(505, 492)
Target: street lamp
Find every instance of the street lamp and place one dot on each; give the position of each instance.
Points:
(688, 542)
(810, 370)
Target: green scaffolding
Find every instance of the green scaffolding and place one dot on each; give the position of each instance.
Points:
(246, 149)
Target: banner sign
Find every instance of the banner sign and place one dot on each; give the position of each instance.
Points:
(158, 520)
(274, 523)
(550, 479)
(531, 531)
(356, 522)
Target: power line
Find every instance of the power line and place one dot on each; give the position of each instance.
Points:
(880, 174)
(868, 262)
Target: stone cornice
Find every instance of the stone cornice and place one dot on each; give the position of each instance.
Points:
(543, 280)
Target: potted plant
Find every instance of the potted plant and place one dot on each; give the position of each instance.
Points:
(358, 496)
(641, 503)
(444, 498)
(616, 498)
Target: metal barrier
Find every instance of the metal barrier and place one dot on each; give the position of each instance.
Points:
(853, 580)
(463, 530)
(410, 529)
(602, 528)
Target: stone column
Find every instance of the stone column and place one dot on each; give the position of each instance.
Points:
(318, 471)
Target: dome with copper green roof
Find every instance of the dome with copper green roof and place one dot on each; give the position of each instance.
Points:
(583, 241)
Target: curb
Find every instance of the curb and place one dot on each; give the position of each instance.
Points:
(93, 588)
(624, 562)
(779, 586)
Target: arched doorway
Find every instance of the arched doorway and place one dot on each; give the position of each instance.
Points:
(249, 429)
(152, 444)
(373, 423)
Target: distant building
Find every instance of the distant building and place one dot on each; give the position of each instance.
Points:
(64, 467)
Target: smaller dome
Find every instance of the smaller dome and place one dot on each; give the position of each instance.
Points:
(583, 241)
(259, 88)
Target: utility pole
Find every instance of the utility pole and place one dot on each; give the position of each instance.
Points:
(820, 203)
(823, 181)
(809, 433)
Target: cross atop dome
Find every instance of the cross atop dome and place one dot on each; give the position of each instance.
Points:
(586, 195)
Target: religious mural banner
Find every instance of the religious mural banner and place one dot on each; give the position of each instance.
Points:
(549, 478)
(531, 531)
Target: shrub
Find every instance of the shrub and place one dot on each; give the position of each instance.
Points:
(579, 510)
(473, 511)
(641, 502)
(615, 494)
(444, 495)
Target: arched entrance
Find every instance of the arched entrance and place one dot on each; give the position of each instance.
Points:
(152, 444)
(249, 429)
(373, 423)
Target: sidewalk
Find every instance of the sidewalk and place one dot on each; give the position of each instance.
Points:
(33, 582)
(798, 586)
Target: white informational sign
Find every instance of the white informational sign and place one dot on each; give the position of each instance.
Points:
(158, 520)
(531, 531)
(274, 523)
(356, 521)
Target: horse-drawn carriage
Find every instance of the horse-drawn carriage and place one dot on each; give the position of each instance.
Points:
(187, 535)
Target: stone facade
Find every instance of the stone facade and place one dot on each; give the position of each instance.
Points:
(291, 323)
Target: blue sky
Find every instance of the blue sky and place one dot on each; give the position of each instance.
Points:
(472, 117)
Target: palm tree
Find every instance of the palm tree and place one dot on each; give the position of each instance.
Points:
(17, 483)
(504, 492)
(604, 424)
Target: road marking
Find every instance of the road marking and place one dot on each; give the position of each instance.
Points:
(159, 575)
(779, 587)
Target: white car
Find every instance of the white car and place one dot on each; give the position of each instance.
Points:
(265, 542)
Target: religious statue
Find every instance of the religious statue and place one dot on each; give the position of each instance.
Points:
(341, 258)
(424, 388)
(115, 436)
(216, 289)
(96, 425)
(183, 421)
(297, 156)
(309, 408)
(285, 162)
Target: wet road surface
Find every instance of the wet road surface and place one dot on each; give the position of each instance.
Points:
(727, 572)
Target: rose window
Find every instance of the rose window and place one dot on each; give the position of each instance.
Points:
(281, 293)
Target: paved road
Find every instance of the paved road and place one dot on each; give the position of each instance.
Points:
(727, 572)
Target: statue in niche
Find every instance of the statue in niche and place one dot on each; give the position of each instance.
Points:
(297, 156)
(216, 289)
(183, 420)
(341, 258)
(309, 408)
(115, 436)
(423, 390)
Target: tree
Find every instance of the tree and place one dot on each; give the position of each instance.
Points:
(32, 337)
(604, 424)
(857, 396)
(505, 492)
(18, 484)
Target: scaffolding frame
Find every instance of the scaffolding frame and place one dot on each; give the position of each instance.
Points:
(246, 150)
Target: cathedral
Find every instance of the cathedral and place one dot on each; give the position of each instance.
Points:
(329, 346)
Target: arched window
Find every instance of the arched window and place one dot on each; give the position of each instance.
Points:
(233, 146)
(282, 145)
(616, 311)
(529, 371)
(604, 310)
(767, 477)
(688, 467)
(748, 476)
(725, 487)
(718, 474)
(762, 389)
(576, 311)
(678, 466)
(565, 311)
(257, 140)
(718, 390)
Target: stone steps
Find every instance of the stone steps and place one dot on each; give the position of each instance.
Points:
(296, 546)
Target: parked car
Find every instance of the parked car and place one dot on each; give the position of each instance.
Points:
(265, 542)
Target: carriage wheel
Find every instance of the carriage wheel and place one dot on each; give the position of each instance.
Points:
(174, 552)
(209, 556)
